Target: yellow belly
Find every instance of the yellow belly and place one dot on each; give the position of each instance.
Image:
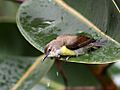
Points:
(65, 51)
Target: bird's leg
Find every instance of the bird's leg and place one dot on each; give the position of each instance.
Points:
(66, 58)
(61, 71)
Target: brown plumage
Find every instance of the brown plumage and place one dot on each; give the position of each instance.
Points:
(70, 41)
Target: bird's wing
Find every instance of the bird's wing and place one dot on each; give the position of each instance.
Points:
(81, 41)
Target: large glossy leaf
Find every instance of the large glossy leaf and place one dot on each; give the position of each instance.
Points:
(95, 11)
(36, 72)
(42, 20)
(102, 13)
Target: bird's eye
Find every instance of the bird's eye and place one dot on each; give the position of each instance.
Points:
(49, 49)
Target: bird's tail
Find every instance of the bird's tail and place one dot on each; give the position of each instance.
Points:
(99, 43)
(91, 47)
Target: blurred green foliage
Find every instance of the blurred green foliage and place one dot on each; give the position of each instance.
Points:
(16, 54)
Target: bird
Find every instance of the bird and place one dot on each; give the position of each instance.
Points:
(68, 44)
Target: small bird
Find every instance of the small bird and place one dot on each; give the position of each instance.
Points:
(71, 45)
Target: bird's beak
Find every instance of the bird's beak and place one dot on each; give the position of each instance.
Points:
(46, 55)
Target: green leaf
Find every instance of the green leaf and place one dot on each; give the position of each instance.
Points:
(47, 20)
(102, 13)
(34, 75)
(95, 11)
(11, 69)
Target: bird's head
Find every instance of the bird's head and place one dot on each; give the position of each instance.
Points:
(52, 51)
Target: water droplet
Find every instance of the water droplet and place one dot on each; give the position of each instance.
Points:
(57, 73)
(33, 28)
(62, 18)
(116, 79)
(49, 0)
(48, 84)
(48, 22)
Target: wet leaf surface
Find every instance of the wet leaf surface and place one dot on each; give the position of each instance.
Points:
(47, 20)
